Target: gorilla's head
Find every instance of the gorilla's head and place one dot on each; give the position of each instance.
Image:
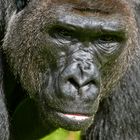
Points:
(69, 54)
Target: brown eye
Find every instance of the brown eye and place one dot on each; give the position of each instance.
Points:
(61, 33)
(110, 38)
(107, 39)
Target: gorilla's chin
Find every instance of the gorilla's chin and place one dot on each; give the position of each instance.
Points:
(72, 122)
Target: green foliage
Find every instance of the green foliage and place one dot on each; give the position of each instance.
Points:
(61, 134)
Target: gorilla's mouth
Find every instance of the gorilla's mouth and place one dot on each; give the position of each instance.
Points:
(73, 117)
(69, 121)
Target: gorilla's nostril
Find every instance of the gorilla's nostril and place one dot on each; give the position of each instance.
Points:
(74, 83)
(90, 82)
(77, 85)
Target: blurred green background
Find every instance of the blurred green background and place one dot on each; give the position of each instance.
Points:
(61, 134)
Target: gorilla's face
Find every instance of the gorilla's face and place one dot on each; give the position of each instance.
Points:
(65, 55)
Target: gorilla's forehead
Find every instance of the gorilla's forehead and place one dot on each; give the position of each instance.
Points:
(104, 6)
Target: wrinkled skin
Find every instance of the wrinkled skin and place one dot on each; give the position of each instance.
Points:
(78, 62)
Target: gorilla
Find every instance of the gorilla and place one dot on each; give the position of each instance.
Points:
(73, 64)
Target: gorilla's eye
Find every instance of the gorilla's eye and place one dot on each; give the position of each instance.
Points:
(109, 38)
(61, 33)
(108, 43)
(21, 4)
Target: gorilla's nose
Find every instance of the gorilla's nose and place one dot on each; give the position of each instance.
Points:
(80, 78)
(80, 74)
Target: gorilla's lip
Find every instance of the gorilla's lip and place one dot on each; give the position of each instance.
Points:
(75, 117)
(68, 112)
(73, 121)
(71, 116)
